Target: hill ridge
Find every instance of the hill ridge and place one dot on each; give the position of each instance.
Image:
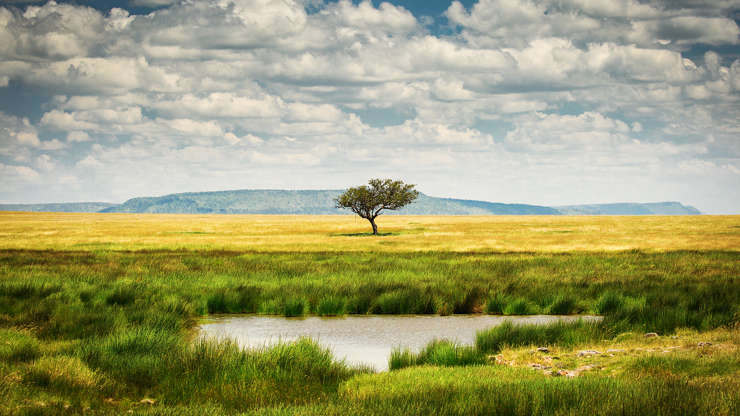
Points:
(320, 201)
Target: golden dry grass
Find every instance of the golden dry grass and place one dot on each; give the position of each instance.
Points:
(269, 233)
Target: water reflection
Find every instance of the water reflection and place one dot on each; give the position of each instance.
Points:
(363, 339)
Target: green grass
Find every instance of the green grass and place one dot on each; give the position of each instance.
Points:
(102, 329)
(18, 346)
(331, 306)
(439, 352)
(659, 291)
(560, 333)
(520, 306)
(511, 391)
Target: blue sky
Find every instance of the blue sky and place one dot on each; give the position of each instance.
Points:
(548, 102)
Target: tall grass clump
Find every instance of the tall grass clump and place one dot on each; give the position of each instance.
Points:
(62, 373)
(520, 306)
(608, 303)
(123, 295)
(496, 304)
(294, 307)
(470, 302)
(404, 301)
(28, 289)
(561, 333)
(563, 305)
(331, 306)
(136, 355)
(241, 299)
(299, 372)
(18, 346)
(438, 352)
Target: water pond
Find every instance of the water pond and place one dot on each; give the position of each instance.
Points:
(362, 339)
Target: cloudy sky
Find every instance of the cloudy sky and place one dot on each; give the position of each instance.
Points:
(534, 101)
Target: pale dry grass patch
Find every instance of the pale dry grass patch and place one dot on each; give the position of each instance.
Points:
(614, 356)
(272, 233)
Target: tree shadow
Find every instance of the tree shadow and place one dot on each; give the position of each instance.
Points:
(370, 234)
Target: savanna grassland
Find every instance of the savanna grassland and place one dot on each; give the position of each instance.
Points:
(98, 313)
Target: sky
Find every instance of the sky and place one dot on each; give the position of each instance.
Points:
(548, 102)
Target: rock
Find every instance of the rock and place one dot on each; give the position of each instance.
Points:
(543, 349)
(587, 353)
(704, 344)
(614, 351)
(499, 359)
(651, 335)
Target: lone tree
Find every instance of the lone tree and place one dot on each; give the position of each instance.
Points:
(369, 201)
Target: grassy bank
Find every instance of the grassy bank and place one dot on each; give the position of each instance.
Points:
(87, 325)
(77, 294)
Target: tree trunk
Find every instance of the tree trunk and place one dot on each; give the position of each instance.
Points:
(375, 227)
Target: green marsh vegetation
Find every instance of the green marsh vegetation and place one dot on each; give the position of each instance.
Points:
(107, 331)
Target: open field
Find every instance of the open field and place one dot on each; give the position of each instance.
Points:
(97, 313)
(64, 231)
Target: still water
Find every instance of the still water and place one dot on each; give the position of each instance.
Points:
(363, 339)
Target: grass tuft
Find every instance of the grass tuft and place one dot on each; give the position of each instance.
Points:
(18, 346)
(519, 306)
(294, 307)
(438, 352)
(563, 305)
(61, 373)
(496, 304)
(561, 333)
(331, 306)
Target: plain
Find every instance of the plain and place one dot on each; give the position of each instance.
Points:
(98, 313)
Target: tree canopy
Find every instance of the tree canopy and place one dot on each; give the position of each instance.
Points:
(368, 201)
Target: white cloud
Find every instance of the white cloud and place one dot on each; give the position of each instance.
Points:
(45, 163)
(61, 120)
(613, 8)
(53, 144)
(416, 131)
(387, 17)
(89, 162)
(52, 31)
(78, 136)
(21, 173)
(194, 127)
(221, 105)
(248, 139)
(27, 138)
(313, 112)
(452, 90)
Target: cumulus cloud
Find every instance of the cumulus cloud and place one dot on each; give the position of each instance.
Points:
(78, 136)
(250, 90)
